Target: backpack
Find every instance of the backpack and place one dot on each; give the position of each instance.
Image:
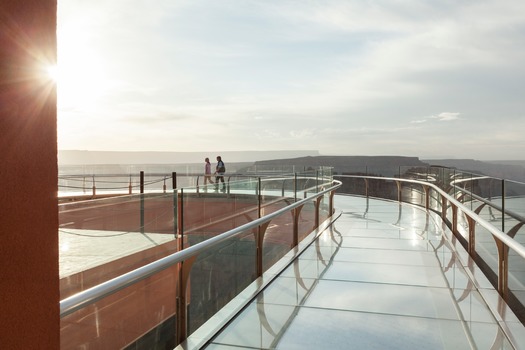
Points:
(222, 168)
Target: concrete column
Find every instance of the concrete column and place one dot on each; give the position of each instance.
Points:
(29, 289)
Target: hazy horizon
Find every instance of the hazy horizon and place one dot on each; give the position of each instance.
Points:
(423, 79)
(71, 157)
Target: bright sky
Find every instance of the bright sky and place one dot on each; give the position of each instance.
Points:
(432, 79)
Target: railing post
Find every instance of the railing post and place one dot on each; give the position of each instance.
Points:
(471, 236)
(175, 203)
(259, 198)
(174, 180)
(181, 220)
(317, 206)
(317, 181)
(427, 196)
(443, 208)
(261, 231)
(503, 205)
(398, 183)
(503, 269)
(296, 214)
(295, 187)
(454, 218)
(454, 187)
(130, 187)
(183, 270)
(331, 203)
(142, 202)
(142, 182)
(94, 187)
(197, 185)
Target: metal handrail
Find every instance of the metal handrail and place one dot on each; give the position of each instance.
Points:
(510, 213)
(91, 295)
(502, 236)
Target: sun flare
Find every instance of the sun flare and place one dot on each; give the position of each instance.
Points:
(52, 72)
(81, 72)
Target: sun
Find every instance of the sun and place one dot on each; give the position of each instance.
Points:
(52, 72)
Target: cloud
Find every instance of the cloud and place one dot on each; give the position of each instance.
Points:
(444, 116)
(332, 74)
(302, 133)
(447, 116)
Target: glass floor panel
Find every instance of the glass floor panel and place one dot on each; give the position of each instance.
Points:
(383, 276)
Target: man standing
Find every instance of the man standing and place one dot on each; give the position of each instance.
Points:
(220, 169)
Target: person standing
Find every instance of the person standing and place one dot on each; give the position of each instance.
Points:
(207, 173)
(220, 169)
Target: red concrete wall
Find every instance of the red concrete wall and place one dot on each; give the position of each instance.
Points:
(29, 289)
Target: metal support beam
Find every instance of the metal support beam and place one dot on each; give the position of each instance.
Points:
(182, 298)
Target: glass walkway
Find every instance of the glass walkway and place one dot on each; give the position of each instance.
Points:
(384, 275)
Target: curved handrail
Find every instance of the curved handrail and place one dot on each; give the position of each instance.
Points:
(91, 295)
(508, 241)
(503, 241)
(512, 214)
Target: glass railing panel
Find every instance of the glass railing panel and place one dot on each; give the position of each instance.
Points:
(243, 185)
(515, 205)
(273, 194)
(122, 213)
(306, 184)
(353, 186)
(324, 208)
(463, 225)
(207, 214)
(101, 239)
(220, 274)
(491, 214)
(274, 186)
(278, 239)
(476, 191)
(487, 253)
(290, 186)
(123, 183)
(435, 200)
(413, 194)
(142, 314)
(101, 183)
(75, 184)
(421, 173)
(516, 283)
(306, 222)
(512, 226)
(515, 197)
(385, 189)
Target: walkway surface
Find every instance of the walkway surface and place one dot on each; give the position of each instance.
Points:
(383, 276)
(81, 250)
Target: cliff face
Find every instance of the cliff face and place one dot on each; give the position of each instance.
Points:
(510, 170)
(394, 165)
(372, 165)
